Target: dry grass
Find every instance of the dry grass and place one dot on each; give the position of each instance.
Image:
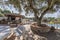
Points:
(11, 37)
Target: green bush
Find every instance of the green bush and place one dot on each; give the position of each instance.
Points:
(52, 29)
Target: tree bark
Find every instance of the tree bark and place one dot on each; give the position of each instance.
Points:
(50, 5)
(42, 14)
(34, 9)
(39, 19)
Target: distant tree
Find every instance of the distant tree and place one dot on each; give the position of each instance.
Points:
(0, 10)
(6, 11)
(1, 14)
(38, 7)
(3, 11)
(51, 18)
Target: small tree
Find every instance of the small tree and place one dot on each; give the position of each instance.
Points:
(38, 7)
(1, 13)
(5, 11)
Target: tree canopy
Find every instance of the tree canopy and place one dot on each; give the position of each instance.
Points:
(3, 11)
(38, 7)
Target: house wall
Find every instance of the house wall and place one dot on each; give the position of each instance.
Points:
(17, 18)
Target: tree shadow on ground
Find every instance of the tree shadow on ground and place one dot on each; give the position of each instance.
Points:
(49, 35)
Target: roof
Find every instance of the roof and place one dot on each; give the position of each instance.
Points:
(13, 14)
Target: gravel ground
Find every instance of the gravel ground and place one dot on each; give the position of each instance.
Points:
(29, 35)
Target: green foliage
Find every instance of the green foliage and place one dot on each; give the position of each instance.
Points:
(25, 3)
(52, 29)
(51, 18)
(0, 10)
(35, 6)
(1, 14)
(16, 3)
(5, 11)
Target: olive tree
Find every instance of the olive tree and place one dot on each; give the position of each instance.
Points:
(37, 7)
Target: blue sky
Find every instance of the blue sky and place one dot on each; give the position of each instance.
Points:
(56, 14)
(11, 8)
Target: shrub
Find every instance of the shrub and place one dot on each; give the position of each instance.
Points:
(52, 29)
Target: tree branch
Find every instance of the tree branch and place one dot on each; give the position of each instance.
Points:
(34, 9)
(50, 5)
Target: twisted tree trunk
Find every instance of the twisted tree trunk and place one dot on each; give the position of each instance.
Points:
(39, 19)
(50, 6)
(42, 14)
